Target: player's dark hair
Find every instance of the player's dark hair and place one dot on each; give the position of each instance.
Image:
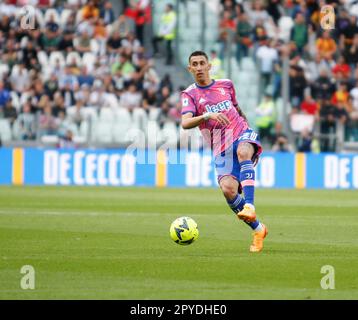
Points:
(199, 53)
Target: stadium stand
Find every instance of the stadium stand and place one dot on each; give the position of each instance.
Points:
(95, 61)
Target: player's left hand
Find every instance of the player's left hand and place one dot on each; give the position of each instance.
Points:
(221, 118)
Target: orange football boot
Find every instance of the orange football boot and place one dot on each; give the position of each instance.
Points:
(258, 241)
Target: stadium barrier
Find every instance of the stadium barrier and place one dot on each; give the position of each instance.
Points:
(35, 166)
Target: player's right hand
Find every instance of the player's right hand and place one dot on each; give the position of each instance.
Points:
(221, 118)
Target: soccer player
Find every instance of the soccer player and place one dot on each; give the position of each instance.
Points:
(211, 105)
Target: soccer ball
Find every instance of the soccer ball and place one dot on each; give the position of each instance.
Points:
(184, 231)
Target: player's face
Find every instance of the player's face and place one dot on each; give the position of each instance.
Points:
(199, 67)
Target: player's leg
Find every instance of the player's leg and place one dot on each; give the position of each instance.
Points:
(230, 186)
(245, 153)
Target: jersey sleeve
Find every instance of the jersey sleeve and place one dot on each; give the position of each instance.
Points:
(187, 104)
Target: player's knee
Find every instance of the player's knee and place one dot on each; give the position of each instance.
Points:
(228, 190)
(245, 152)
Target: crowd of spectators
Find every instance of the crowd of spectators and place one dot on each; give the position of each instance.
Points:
(323, 73)
(76, 54)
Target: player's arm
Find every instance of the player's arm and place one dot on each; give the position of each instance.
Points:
(188, 121)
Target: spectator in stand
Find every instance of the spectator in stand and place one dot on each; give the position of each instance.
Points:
(107, 13)
(114, 43)
(20, 79)
(323, 87)
(100, 35)
(28, 53)
(299, 33)
(305, 141)
(48, 124)
(90, 11)
(98, 96)
(77, 117)
(51, 85)
(347, 34)
(341, 71)
(314, 68)
(85, 77)
(216, 70)
(256, 12)
(27, 124)
(131, 98)
(227, 30)
(274, 10)
(341, 95)
(68, 79)
(82, 43)
(164, 115)
(123, 26)
(328, 124)
(266, 54)
(4, 95)
(326, 46)
(123, 68)
(297, 86)
(10, 112)
(150, 100)
(351, 54)
(310, 106)
(243, 36)
(130, 42)
(265, 117)
(280, 140)
(58, 105)
(354, 100)
(166, 32)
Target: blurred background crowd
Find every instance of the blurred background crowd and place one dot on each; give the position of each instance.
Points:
(92, 70)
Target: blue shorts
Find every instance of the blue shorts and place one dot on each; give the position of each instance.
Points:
(227, 163)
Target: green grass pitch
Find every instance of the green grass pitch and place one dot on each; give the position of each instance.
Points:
(113, 243)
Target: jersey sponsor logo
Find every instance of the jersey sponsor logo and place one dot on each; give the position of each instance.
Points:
(221, 106)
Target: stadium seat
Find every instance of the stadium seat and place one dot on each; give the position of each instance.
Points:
(122, 125)
(106, 115)
(49, 13)
(154, 135)
(140, 119)
(89, 60)
(57, 55)
(43, 58)
(84, 130)
(65, 14)
(90, 113)
(4, 69)
(94, 46)
(40, 17)
(154, 114)
(102, 132)
(15, 100)
(5, 130)
(248, 64)
(169, 134)
(74, 56)
(111, 101)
